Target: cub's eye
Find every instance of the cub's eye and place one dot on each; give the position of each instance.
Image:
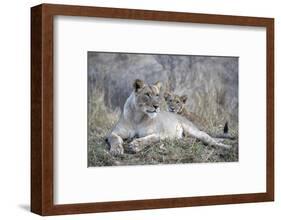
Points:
(147, 94)
(178, 102)
(157, 95)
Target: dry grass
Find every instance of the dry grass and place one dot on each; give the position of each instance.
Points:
(187, 150)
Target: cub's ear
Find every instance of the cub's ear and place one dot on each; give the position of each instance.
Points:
(166, 95)
(138, 84)
(158, 85)
(183, 98)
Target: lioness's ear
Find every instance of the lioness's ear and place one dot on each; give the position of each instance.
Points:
(158, 85)
(183, 98)
(138, 84)
(166, 95)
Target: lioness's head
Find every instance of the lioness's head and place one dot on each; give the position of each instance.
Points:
(174, 102)
(147, 97)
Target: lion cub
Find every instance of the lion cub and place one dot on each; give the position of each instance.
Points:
(176, 104)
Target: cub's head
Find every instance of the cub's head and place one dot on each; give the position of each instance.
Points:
(147, 97)
(174, 102)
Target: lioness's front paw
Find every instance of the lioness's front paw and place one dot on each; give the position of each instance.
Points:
(116, 150)
(135, 146)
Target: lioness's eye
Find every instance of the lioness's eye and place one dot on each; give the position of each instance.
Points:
(178, 102)
(157, 95)
(147, 94)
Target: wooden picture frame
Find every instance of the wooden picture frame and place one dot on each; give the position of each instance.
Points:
(42, 120)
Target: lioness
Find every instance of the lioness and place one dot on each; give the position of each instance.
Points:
(177, 104)
(142, 120)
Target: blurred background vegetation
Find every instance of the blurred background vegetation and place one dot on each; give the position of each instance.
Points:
(211, 84)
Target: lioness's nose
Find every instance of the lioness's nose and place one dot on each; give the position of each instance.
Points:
(156, 106)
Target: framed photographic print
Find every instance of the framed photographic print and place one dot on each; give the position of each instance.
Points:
(138, 109)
